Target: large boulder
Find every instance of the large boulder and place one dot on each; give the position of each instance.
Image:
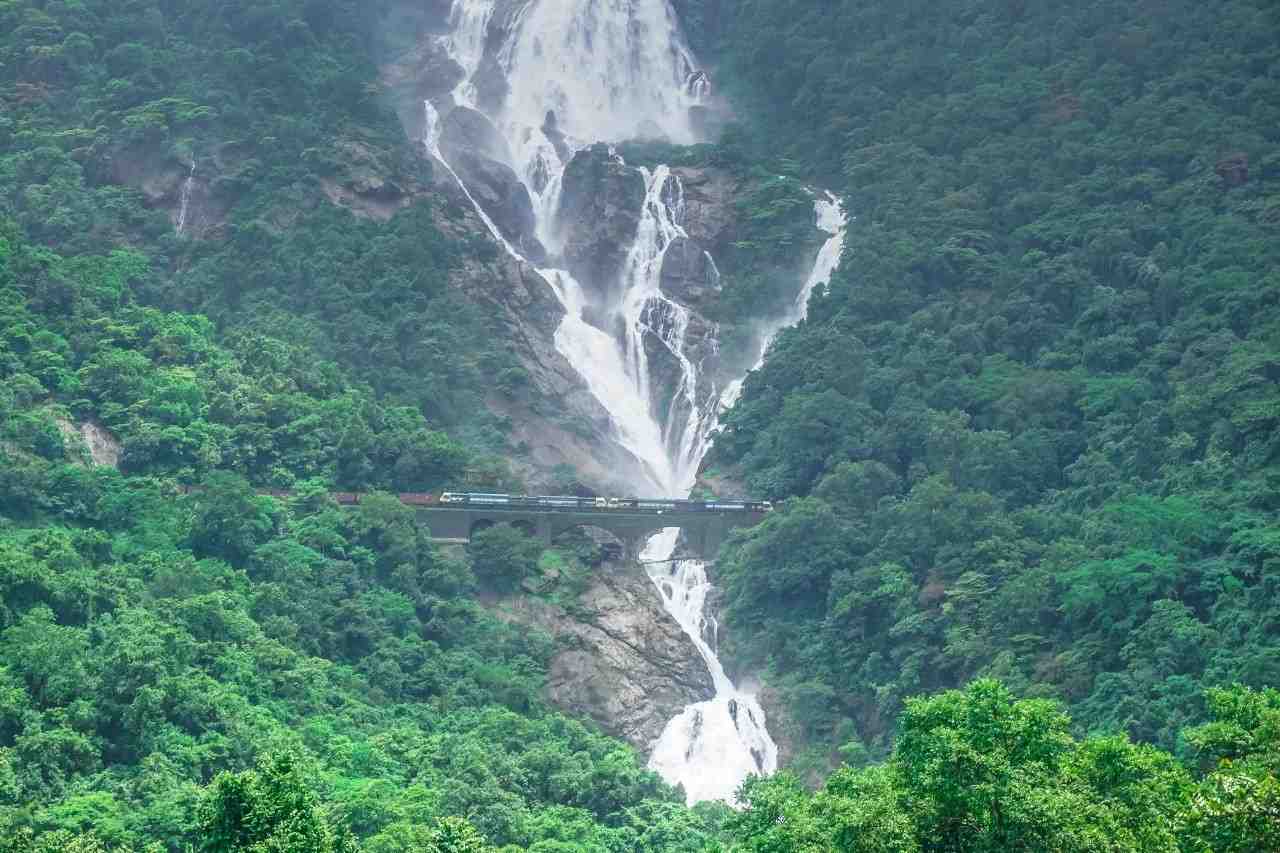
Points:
(710, 217)
(465, 130)
(601, 201)
(689, 276)
(427, 72)
(499, 192)
(480, 155)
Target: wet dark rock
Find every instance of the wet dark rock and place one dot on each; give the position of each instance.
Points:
(491, 85)
(551, 130)
(600, 205)
(479, 154)
(666, 373)
(425, 73)
(465, 130)
(499, 192)
(698, 84)
(688, 275)
(490, 78)
(710, 217)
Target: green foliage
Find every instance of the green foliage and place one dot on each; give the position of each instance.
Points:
(269, 808)
(212, 668)
(977, 771)
(503, 555)
(1030, 429)
(1240, 800)
(150, 642)
(277, 108)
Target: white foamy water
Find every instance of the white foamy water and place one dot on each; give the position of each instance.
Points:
(578, 72)
(833, 220)
(185, 200)
(712, 746)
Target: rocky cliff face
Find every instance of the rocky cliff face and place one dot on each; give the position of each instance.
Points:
(689, 274)
(600, 205)
(556, 420)
(711, 219)
(624, 662)
(479, 155)
(92, 440)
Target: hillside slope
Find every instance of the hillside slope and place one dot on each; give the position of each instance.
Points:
(1032, 430)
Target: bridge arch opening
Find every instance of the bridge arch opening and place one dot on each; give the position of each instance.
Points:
(591, 544)
(478, 526)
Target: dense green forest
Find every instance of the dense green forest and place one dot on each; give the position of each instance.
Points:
(109, 107)
(1032, 428)
(1030, 436)
(222, 669)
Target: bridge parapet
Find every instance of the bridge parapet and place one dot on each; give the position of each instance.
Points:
(704, 531)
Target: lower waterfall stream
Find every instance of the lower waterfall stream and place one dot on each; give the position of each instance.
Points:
(600, 72)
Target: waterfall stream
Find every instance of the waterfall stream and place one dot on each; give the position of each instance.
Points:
(185, 200)
(606, 71)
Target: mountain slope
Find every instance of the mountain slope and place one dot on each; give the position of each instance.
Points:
(1032, 426)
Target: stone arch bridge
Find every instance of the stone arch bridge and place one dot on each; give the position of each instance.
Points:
(704, 530)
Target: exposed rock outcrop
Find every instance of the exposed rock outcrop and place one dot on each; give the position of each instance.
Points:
(710, 217)
(425, 73)
(785, 731)
(1234, 169)
(93, 439)
(555, 420)
(190, 200)
(624, 662)
(600, 205)
(465, 130)
(490, 79)
(666, 371)
(551, 130)
(369, 182)
(689, 275)
(498, 190)
(479, 154)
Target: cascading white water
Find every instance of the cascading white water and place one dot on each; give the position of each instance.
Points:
(185, 201)
(833, 220)
(728, 732)
(581, 71)
(598, 359)
(710, 747)
(468, 28)
(648, 312)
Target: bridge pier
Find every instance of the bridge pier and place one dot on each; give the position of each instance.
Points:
(546, 532)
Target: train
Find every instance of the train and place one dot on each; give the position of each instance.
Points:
(570, 502)
(543, 502)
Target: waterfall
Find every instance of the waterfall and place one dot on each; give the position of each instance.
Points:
(712, 746)
(577, 72)
(833, 220)
(185, 201)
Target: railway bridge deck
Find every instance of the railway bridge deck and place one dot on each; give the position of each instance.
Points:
(704, 530)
